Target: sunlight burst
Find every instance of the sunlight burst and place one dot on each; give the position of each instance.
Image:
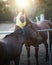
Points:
(22, 3)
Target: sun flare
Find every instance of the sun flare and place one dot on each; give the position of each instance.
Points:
(22, 3)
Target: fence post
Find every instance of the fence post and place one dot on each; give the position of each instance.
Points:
(49, 48)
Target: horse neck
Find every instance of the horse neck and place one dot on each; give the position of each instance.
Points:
(32, 24)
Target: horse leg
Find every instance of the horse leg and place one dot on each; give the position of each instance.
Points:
(36, 54)
(47, 56)
(50, 45)
(17, 59)
(28, 54)
(7, 63)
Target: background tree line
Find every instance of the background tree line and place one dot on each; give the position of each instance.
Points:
(35, 9)
(5, 13)
(45, 6)
(42, 6)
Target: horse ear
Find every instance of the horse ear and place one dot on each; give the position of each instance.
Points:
(23, 11)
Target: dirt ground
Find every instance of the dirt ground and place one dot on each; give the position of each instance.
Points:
(23, 57)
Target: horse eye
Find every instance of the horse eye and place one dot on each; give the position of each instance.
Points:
(22, 19)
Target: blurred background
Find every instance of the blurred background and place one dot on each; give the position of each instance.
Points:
(8, 9)
(35, 10)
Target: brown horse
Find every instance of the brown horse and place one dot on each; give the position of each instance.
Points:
(35, 38)
(32, 38)
(10, 48)
(11, 45)
(46, 24)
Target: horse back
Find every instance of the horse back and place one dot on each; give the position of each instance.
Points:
(9, 48)
(46, 24)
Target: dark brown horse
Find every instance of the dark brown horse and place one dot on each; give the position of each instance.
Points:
(46, 24)
(32, 38)
(35, 38)
(11, 45)
(10, 48)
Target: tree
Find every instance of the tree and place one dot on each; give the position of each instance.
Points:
(5, 13)
(43, 6)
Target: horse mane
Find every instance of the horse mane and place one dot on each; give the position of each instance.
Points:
(32, 24)
(12, 34)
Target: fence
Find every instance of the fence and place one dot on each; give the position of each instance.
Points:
(44, 30)
(6, 32)
(49, 53)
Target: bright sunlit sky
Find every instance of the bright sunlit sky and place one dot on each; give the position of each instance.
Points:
(22, 3)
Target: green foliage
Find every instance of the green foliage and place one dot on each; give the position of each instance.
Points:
(48, 9)
(5, 13)
(45, 6)
(35, 9)
(39, 7)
